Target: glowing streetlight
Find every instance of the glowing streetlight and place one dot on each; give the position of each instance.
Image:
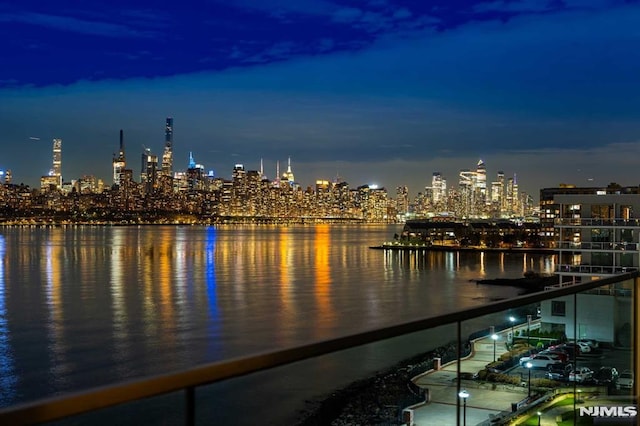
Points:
(529, 366)
(539, 417)
(512, 320)
(494, 337)
(464, 395)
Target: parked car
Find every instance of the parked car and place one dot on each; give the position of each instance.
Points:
(570, 350)
(540, 361)
(559, 371)
(580, 375)
(606, 376)
(625, 380)
(558, 353)
(583, 348)
(592, 343)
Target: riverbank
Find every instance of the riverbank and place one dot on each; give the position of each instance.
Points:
(378, 399)
(435, 247)
(530, 284)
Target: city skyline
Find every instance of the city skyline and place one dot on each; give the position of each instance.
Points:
(383, 92)
(168, 165)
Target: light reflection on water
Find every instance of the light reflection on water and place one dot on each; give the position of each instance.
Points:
(8, 376)
(85, 306)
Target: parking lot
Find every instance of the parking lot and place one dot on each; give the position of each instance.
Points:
(620, 359)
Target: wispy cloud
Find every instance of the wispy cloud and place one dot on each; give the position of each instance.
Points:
(280, 7)
(519, 6)
(71, 24)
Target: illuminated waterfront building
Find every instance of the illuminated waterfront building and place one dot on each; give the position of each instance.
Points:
(598, 233)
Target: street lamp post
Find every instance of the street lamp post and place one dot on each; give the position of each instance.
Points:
(539, 417)
(494, 337)
(464, 395)
(529, 366)
(512, 320)
(528, 331)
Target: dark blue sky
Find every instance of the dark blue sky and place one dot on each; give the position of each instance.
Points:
(379, 91)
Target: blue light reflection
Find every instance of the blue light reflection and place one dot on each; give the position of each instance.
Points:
(7, 375)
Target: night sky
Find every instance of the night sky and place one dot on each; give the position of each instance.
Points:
(379, 91)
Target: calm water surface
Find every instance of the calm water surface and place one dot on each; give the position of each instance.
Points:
(85, 306)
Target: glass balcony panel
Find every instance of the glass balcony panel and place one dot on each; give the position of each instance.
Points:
(384, 382)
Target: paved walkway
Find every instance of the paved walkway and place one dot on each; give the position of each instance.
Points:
(483, 400)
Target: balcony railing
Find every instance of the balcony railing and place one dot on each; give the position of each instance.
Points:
(600, 246)
(188, 381)
(569, 222)
(594, 269)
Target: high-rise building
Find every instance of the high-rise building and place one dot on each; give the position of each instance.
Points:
(151, 173)
(288, 175)
(56, 170)
(119, 162)
(402, 200)
(143, 164)
(481, 184)
(167, 156)
(438, 188)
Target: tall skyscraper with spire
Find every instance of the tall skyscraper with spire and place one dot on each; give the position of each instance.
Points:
(56, 169)
(288, 175)
(167, 156)
(119, 162)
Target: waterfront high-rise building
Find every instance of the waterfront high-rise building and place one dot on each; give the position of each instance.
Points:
(167, 156)
(56, 170)
(119, 162)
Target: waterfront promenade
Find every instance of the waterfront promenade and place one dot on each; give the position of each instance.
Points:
(483, 403)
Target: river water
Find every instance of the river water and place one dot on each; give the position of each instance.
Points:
(86, 306)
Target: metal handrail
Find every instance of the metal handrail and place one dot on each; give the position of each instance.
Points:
(54, 408)
(617, 246)
(593, 269)
(597, 222)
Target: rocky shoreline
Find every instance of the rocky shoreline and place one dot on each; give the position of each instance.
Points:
(529, 284)
(377, 400)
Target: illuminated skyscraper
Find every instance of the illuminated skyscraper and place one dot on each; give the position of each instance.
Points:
(481, 183)
(151, 172)
(402, 200)
(288, 175)
(438, 188)
(167, 156)
(144, 158)
(119, 162)
(56, 171)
